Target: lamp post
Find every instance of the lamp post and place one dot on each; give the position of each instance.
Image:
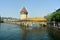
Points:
(0, 19)
(54, 23)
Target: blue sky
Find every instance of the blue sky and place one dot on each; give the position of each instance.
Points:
(35, 8)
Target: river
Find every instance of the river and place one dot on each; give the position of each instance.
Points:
(15, 32)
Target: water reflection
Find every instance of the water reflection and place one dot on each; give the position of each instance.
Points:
(24, 33)
(17, 32)
(35, 34)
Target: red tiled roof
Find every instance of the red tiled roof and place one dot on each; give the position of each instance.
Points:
(24, 11)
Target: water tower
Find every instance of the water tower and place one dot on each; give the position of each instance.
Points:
(23, 13)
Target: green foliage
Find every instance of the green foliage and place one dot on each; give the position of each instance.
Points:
(48, 17)
(55, 16)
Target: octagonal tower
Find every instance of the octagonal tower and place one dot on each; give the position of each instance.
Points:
(23, 13)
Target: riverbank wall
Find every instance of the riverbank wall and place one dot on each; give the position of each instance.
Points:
(18, 23)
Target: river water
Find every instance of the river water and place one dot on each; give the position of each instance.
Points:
(15, 32)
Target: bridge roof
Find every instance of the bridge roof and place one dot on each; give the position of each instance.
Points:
(34, 19)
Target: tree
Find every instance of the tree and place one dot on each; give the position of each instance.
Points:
(56, 16)
(48, 17)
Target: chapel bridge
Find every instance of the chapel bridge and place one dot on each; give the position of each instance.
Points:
(24, 19)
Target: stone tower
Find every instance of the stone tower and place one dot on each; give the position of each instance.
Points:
(23, 13)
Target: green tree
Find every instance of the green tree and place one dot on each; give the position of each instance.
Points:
(48, 17)
(56, 16)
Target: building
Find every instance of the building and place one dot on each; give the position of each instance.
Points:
(25, 20)
(23, 13)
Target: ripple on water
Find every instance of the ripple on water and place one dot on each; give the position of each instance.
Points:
(9, 31)
(14, 32)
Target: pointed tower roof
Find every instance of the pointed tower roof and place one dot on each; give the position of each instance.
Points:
(24, 11)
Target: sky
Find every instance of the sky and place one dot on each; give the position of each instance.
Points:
(35, 8)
